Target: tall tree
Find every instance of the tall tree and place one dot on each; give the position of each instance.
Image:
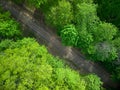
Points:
(60, 14)
(85, 17)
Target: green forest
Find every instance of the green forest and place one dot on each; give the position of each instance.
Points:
(26, 65)
(91, 26)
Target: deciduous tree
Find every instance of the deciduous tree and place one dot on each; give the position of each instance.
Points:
(69, 35)
(60, 14)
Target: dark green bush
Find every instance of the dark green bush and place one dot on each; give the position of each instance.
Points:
(19, 2)
(69, 35)
(108, 10)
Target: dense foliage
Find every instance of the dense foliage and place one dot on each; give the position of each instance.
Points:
(27, 65)
(108, 10)
(9, 28)
(69, 35)
(35, 3)
(60, 15)
(80, 26)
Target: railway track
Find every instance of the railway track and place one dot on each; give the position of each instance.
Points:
(46, 36)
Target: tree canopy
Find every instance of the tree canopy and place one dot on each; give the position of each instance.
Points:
(9, 28)
(27, 65)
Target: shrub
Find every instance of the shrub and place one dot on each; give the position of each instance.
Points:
(69, 35)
